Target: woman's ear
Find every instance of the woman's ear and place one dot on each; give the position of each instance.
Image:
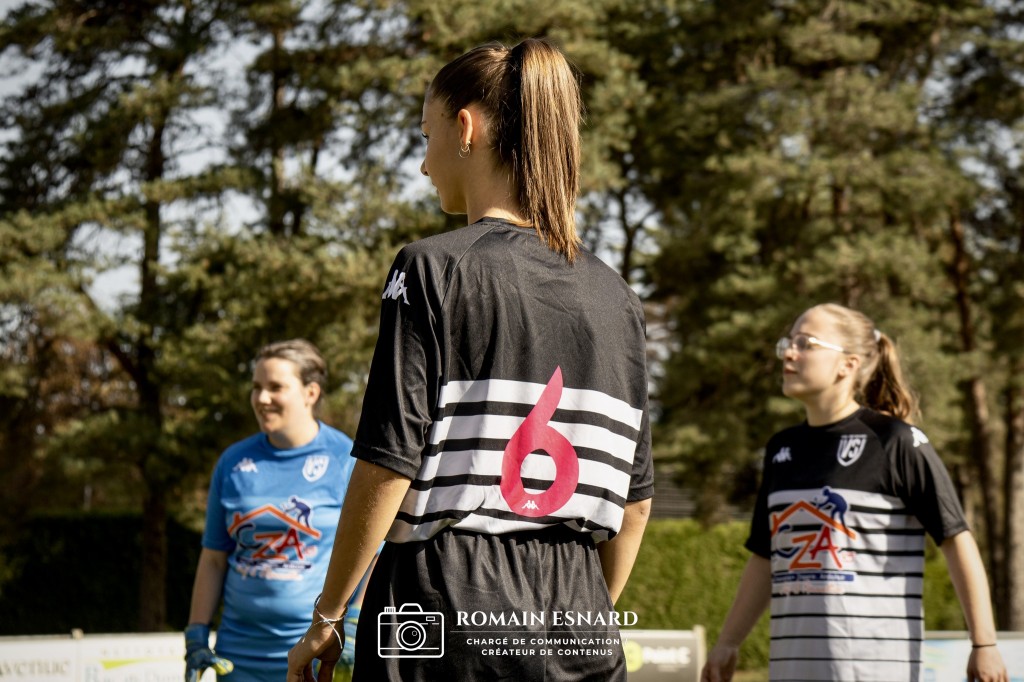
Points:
(465, 121)
(312, 393)
(849, 366)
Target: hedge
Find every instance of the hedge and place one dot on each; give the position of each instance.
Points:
(82, 572)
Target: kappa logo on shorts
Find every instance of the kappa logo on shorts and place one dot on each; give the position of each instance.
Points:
(396, 287)
(851, 447)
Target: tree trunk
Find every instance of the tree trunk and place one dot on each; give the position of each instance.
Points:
(982, 441)
(153, 580)
(153, 577)
(1013, 503)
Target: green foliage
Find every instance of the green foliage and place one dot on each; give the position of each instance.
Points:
(81, 572)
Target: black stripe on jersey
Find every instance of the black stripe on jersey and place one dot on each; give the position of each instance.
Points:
(848, 637)
(916, 532)
(501, 514)
(910, 532)
(504, 409)
(498, 446)
(782, 616)
(890, 574)
(891, 552)
(857, 660)
(915, 665)
(851, 594)
(861, 509)
(530, 483)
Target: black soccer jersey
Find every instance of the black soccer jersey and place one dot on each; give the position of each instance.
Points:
(842, 514)
(510, 385)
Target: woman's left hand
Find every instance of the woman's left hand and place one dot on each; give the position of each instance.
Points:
(986, 665)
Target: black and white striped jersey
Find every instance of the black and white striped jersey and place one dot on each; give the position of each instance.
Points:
(509, 385)
(842, 514)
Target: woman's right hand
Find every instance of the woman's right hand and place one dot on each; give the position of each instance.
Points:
(319, 642)
(721, 664)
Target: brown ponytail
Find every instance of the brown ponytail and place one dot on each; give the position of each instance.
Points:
(533, 99)
(885, 389)
(879, 383)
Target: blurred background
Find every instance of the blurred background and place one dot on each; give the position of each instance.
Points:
(182, 182)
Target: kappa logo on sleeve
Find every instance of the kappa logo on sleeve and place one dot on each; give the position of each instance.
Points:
(919, 437)
(396, 287)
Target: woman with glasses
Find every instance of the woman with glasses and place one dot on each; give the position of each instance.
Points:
(838, 531)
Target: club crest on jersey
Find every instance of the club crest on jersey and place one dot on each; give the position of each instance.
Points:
(851, 447)
(315, 467)
(396, 287)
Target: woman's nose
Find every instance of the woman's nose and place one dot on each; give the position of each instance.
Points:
(423, 169)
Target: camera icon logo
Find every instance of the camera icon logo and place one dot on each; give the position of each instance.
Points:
(410, 632)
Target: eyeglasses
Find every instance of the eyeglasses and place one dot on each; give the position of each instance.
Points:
(802, 342)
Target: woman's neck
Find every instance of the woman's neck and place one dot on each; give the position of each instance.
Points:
(295, 437)
(823, 412)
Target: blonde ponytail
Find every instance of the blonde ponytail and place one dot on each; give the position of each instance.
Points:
(879, 384)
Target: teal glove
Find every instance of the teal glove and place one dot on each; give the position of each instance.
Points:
(199, 656)
(348, 653)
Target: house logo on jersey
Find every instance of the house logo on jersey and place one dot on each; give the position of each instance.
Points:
(315, 467)
(851, 447)
(275, 541)
(783, 455)
(535, 433)
(396, 287)
(807, 536)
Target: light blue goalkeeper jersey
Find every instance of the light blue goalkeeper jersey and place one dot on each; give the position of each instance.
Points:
(275, 512)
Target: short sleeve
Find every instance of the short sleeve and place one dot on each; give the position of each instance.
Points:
(924, 485)
(215, 532)
(641, 482)
(405, 372)
(760, 539)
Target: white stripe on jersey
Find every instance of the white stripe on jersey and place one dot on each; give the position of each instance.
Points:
(844, 604)
(528, 393)
(889, 586)
(862, 671)
(846, 626)
(501, 427)
(536, 465)
(473, 497)
(402, 531)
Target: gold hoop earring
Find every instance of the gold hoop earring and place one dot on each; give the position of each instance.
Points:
(464, 151)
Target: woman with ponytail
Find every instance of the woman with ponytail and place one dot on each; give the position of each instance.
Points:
(838, 532)
(504, 445)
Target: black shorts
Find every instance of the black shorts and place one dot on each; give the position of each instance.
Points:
(521, 606)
